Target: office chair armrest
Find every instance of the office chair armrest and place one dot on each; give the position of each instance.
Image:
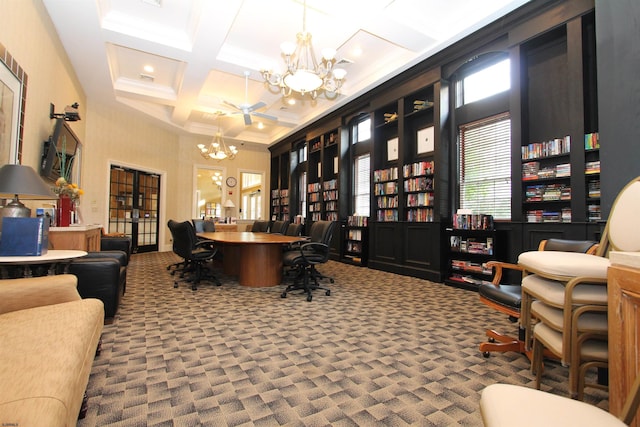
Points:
(499, 267)
(206, 244)
(315, 248)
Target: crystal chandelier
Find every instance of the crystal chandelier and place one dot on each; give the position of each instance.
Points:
(218, 149)
(304, 74)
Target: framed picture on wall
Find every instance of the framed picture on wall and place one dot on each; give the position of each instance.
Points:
(425, 140)
(10, 98)
(392, 149)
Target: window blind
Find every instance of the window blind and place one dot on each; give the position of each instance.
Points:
(362, 182)
(485, 166)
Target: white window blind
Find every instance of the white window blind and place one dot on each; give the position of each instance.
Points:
(485, 166)
(362, 188)
(302, 194)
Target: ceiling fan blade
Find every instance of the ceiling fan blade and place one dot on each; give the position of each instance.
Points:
(257, 106)
(232, 105)
(266, 116)
(247, 119)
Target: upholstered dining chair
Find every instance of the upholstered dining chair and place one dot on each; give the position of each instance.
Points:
(507, 298)
(195, 254)
(260, 226)
(560, 283)
(279, 227)
(509, 405)
(305, 259)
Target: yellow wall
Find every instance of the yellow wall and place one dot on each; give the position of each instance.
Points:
(109, 134)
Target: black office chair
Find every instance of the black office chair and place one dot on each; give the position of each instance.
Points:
(194, 253)
(279, 227)
(307, 256)
(203, 225)
(260, 226)
(293, 230)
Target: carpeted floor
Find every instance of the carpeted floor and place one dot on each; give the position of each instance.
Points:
(383, 349)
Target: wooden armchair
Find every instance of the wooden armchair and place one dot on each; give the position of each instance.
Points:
(507, 298)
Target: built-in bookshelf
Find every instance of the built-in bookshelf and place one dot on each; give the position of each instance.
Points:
(546, 177)
(356, 240)
(385, 190)
(314, 201)
(419, 191)
(330, 198)
(275, 204)
(592, 176)
(472, 243)
(284, 204)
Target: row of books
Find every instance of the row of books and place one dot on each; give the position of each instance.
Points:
(330, 195)
(279, 193)
(381, 175)
(420, 215)
(471, 245)
(387, 215)
(418, 184)
(472, 222)
(471, 267)
(420, 199)
(593, 189)
(591, 141)
(332, 184)
(354, 247)
(357, 221)
(592, 167)
(418, 169)
(314, 197)
(539, 215)
(331, 206)
(313, 187)
(554, 147)
(531, 171)
(384, 188)
(387, 202)
(547, 193)
(593, 213)
(354, 235)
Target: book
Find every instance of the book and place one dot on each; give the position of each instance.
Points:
(24, 236)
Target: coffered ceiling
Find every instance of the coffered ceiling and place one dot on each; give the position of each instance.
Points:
(199, 51)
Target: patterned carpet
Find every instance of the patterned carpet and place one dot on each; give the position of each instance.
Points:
(383, 349)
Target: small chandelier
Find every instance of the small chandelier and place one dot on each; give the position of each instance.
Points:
(218, 149)
(304, 74)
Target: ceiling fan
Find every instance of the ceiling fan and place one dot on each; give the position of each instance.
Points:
(248, 110)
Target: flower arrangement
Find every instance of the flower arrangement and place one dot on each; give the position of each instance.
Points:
(63, 188)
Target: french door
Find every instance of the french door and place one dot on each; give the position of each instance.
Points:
(134, 207)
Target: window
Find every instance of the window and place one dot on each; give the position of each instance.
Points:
(362, 185)
(488, 81)
(361, 131)
(251, 195)
(302, 194)
(485, 166)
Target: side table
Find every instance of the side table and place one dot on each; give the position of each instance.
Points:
(30, 263)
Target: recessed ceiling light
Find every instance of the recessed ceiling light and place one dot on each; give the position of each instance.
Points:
(149, 68)
(260, 125)
(291, 101)
(357, 51)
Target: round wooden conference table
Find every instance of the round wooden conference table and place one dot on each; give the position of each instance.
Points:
(255, 258)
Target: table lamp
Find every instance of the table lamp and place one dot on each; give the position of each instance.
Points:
(22, 181)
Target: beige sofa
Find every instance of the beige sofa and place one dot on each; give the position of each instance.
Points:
(48, 341)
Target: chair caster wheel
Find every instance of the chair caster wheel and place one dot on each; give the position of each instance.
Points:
(327, 293)
(283, 295)
(309, 298)
(486, 354)
(332, 281)
(491, 339)
(175, 285)
(194, 288)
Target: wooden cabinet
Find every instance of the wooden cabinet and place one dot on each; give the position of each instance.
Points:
(82, 238)
(624, 337)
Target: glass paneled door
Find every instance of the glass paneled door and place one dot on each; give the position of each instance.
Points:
(134, 207)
